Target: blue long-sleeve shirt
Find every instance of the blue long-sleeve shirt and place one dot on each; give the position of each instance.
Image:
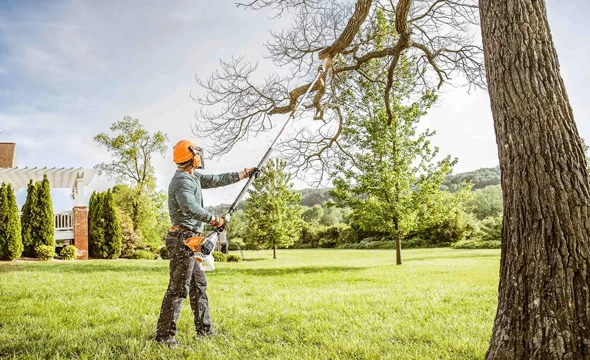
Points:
(185, 199)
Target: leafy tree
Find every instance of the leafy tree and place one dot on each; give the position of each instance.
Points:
(11, 246)
(28, 219)
(44, 231)
(112, 228)
(313, 214)
(132, 148)
(272, 210)
(486, 202)
(389, 168)
(238, 226)
(96, 225)
(130, 240)
(443, 217)
(331, 214)
(151, 208)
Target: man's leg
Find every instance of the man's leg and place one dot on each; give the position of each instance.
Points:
(200, 303)
(181, 270)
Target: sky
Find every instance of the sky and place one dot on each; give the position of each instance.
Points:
(70, 68)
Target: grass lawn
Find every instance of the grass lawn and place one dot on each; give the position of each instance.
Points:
(307, 304)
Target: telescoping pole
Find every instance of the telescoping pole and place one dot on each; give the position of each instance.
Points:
(266, 156)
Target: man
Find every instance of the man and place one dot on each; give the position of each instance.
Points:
(185, 204)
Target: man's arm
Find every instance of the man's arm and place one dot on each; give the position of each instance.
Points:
(212, 181)
(185, 196)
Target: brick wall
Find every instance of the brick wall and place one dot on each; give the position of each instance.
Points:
(81, 231)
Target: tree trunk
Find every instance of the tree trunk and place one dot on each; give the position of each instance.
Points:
(274, 250)
(398, 251)
(544, 302)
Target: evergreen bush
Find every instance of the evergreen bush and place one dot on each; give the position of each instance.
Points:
(234, 258)
(11, 246)
(69, 252)
(219, 256)
(45, 252)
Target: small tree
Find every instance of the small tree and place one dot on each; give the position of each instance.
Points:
(27, 219)
(96, 225)
(132, 149)
(313, 214)
(273, 213)
(44, 230)
(11, 246)
(112, 228)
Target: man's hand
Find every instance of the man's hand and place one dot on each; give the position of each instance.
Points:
(250, 172)
(218, 222)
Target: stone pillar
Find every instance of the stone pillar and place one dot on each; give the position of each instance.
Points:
(81, 231)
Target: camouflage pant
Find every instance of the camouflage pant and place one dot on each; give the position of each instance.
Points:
(186, 277)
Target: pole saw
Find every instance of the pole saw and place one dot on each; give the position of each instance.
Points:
(201, 247)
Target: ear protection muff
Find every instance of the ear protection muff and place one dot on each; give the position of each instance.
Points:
(197, 152)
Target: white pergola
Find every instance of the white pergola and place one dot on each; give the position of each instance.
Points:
(72, 178)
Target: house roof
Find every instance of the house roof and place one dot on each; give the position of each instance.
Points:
(58, 177)
(7, 155)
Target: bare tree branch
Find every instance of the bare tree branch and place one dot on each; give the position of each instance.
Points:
(436, 35)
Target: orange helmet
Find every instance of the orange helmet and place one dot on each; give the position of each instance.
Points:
(185, 151)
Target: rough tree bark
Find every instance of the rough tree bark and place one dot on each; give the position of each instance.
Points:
(544, 301)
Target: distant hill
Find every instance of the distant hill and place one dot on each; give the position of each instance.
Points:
(480, 178)
(309, 197)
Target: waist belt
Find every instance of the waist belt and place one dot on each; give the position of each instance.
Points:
(179, 228)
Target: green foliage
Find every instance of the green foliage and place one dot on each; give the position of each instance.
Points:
(96, 225)
(331, 214)
(313, 214)
(112, 228)
(11, 245)
(44, 230)
(28, 219)
(69, 252)
(490, 229)
(486, 202)
(477, 244)
(105, 235)
(237, 227)
(272, 210)
(443, 218)
(164, 253)
(389, 168)
(132, 149)
(37, 217)
(236, 244)
(130, 240)
(234, 258)
(480, 179)
(143, 255)
(219, 256)
(150, 206)
(45, 252)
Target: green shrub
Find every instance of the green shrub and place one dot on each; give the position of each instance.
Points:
(457, 225)
(164, 254)
(490, 229)
(11, 245)
(219, 256)
(45, 252)
(236, 244)
(69, 252)
(477, 244)
(143, 255)
(234, 258)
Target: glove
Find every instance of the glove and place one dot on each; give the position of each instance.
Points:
(218, 222)
(253, 172)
